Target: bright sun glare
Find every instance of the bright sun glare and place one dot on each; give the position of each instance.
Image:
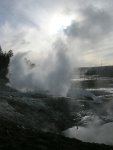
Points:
(59, 22)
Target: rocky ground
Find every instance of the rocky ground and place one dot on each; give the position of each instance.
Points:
(35, 121)
(14, 137)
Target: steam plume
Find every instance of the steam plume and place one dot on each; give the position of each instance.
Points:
(51, 73)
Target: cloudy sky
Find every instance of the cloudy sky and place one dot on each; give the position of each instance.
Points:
(86, 26)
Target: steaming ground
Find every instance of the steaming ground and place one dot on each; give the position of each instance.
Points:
(46, 99)
(94, 134)
(89, 110)
(97, 125)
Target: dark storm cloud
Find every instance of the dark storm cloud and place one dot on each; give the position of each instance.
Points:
(96, 25)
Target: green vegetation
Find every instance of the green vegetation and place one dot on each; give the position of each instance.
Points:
(4, 62)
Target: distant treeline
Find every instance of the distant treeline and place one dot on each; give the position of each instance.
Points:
(102, 71)
(4, 61)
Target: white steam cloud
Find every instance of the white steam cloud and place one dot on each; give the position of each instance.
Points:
(50, 73)
(94, 132)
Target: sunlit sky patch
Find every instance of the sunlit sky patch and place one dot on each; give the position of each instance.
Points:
(34, 24)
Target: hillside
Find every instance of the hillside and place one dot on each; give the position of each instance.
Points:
(36, 121)
(13, 137)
